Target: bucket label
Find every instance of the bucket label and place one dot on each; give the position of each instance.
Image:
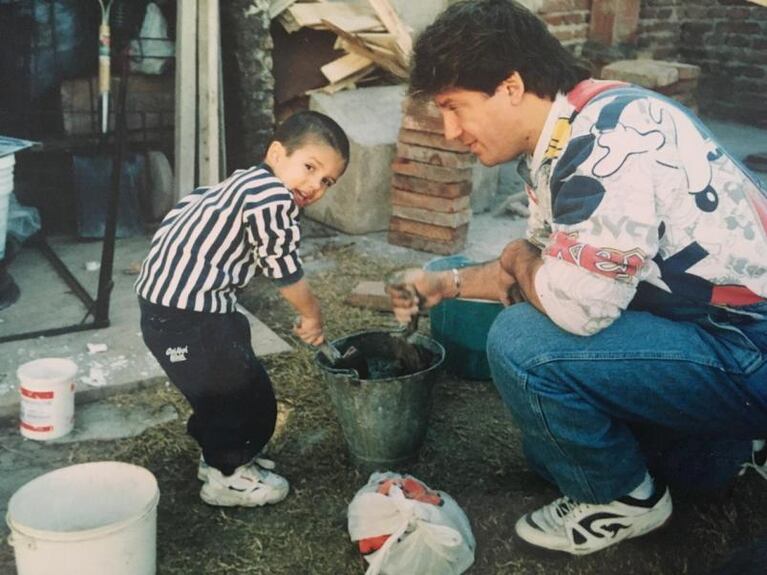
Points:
(36, 428)
(36, 394)
(39, 410)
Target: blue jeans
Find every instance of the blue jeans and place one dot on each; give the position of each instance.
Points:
(680, 399)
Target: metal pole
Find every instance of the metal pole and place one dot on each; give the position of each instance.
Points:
(110, 228)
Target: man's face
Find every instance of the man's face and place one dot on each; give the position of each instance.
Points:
(308, 172)
(493, 127)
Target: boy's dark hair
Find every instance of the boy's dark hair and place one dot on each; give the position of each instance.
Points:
(477, 44)
(307, 126)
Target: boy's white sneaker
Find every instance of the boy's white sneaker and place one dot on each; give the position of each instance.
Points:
(249, 486)
(582, 528)
(203, 467)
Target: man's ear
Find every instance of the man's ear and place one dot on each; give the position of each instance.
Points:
(513, 87)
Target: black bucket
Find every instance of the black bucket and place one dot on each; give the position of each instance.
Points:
(383, 418)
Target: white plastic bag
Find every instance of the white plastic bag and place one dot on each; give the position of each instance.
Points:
(151, 52)
(420, 531)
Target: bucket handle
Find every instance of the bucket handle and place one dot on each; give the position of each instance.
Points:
(15, 542)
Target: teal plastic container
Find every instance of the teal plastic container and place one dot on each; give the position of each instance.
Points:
(461, 326)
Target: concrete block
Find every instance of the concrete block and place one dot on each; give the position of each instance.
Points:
(361, 200)
(686, 71)
(647, 73)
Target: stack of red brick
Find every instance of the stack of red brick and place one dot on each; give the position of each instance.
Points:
(431, 184)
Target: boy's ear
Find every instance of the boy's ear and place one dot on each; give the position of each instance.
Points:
(275, 152)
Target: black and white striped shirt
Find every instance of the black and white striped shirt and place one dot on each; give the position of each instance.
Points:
(211, 244)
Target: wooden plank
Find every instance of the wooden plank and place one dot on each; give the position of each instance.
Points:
(288, 22)
(186, 98)
(382, 39)
(351, 17)
(207, 91)
(358, 47)
(276, 7)
(344, 67)
(395, 26)
(346, 84)
(342, 44)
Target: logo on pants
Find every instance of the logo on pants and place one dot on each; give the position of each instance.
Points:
(177, 354)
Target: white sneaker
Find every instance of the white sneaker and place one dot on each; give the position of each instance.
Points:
(758, 459)
(582, 528)
(203, 467)
(249, 486)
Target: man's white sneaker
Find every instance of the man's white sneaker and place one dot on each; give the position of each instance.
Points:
(582, 528)
(249, 486)
(758, 459)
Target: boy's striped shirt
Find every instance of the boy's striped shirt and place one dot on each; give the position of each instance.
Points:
(214, 240)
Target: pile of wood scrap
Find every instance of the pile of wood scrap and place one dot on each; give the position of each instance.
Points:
(369, 32)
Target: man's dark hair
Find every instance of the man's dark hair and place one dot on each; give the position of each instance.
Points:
(477, 44)
(308, 126)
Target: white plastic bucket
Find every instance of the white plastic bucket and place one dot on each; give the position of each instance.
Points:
(47, 389)
(6, 187)
(89, 519)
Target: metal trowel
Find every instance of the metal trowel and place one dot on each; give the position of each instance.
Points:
(351, 359)
(405, 349)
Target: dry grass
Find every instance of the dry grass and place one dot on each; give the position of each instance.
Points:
(472, 452)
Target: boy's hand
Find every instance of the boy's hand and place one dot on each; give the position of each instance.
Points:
(309, 329)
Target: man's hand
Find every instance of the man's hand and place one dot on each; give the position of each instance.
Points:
(309, 329)
(411, 290)
(509, 291)
(519, 262)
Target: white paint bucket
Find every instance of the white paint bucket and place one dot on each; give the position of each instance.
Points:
(89, 519)
(6, 187)
(47, 389)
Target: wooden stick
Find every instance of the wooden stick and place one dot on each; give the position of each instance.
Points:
(186, 98)
(358, 47)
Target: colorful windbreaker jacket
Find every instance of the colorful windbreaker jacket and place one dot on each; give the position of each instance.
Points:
(635, 204)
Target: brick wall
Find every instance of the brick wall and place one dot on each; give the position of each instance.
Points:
(659, 28)
(728, 40)
(568, 20)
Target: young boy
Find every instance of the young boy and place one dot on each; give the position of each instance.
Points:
(206, 250)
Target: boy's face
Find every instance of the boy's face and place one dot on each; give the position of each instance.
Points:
(308, 172)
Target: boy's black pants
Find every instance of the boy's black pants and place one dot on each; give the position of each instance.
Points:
(209, 358)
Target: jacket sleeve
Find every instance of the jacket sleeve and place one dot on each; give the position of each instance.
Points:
(275, 236)
(604, 230)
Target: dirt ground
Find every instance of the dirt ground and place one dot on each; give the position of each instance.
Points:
(472, 451)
